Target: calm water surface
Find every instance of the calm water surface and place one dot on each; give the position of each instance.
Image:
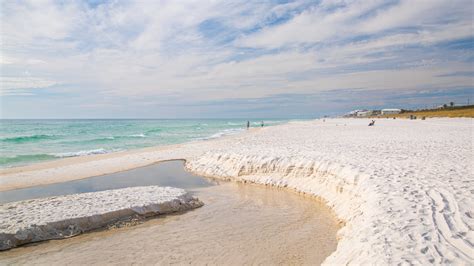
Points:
(165, 174)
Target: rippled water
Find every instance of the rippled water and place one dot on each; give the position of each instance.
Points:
(26, 141)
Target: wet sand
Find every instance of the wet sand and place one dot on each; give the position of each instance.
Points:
(239, 224)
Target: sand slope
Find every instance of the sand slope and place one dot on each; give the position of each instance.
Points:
(405, 188)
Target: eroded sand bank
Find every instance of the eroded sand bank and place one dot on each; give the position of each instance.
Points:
(403, 187)
(59, 217)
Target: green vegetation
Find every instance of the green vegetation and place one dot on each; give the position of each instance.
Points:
(446, 111)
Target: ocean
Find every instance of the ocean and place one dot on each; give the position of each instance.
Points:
(23, 142)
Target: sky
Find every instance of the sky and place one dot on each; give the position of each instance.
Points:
(232, 59)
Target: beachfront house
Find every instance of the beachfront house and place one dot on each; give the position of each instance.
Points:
(364, 113)
(391, 111)
(352, 113)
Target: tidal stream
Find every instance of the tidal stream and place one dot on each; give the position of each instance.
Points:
(239, 224)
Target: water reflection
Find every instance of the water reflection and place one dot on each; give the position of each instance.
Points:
(169, 173)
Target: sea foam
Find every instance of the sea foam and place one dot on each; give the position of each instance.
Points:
(82, 153)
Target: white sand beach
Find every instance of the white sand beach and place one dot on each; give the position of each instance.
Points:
(404, 188)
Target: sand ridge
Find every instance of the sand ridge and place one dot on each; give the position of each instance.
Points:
(404, 188)
(58, 217)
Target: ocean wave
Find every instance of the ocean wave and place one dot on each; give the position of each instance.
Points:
(82, 153)
(120, 137)
(236, 124)
(266, 122)
(109, 138)
(154, 130)
(137, 136)
(272, 122)
(31, 138)
(225, 132)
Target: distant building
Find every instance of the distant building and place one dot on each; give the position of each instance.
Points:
(391, 111)
(352, 113)
(364, 113)
(359, 113)
(376, 112)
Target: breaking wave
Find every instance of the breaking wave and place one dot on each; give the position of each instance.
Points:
(32, 138)
(225, 132)
(82, 153)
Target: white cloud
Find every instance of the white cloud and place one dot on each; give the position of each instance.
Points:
(424, 13)
(149, 49)
(427, 77)
(11, 85)
(23, 22)
(355, 18)
(312, 25)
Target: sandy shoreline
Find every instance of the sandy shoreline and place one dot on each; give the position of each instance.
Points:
(403, 187)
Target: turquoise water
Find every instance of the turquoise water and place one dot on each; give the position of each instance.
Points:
(24, 142)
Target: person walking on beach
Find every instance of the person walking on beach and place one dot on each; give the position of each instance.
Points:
(262, 124)
(248, 125)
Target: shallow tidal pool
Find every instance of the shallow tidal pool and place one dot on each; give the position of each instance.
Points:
(239, 224)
